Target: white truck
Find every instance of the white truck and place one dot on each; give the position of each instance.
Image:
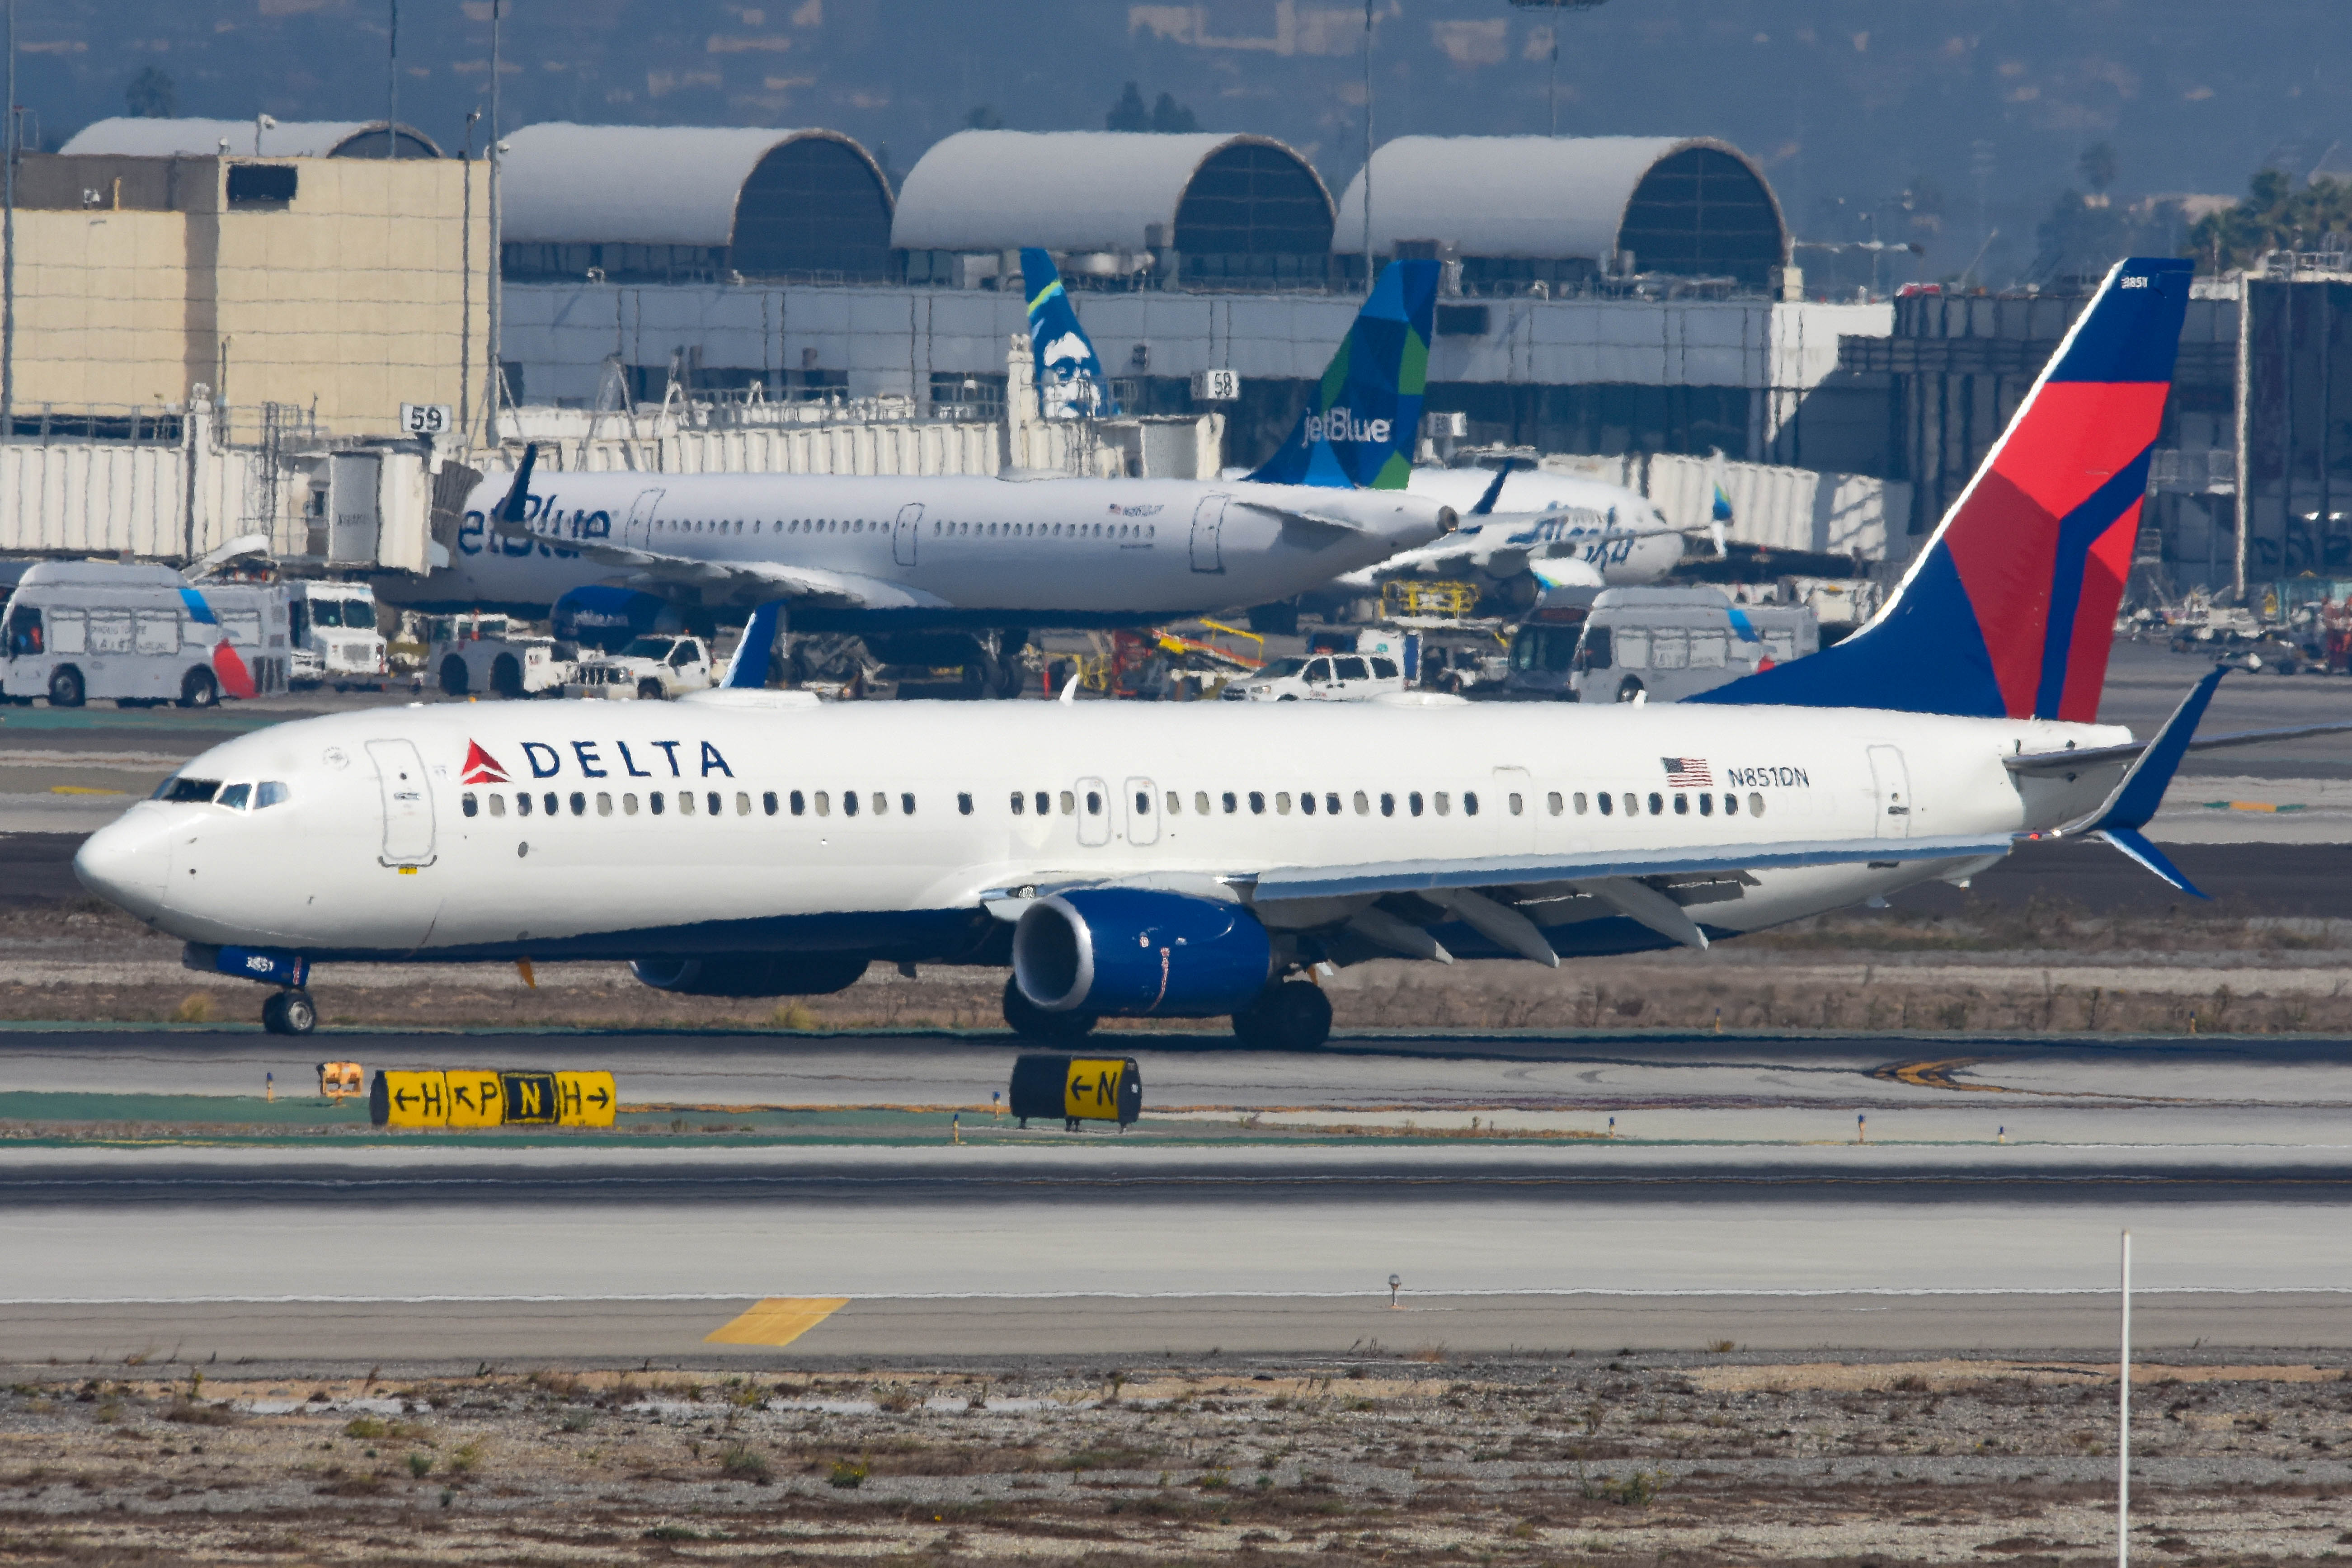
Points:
(334, 636)
(142, 635)
(650, 668)
(476, 656)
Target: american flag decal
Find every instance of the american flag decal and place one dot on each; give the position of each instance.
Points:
(1688, 772)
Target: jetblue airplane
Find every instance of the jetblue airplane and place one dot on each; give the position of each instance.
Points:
(1212, 859)
(1559, 531)
(880, 554)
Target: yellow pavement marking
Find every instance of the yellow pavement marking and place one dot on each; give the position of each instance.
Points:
(778, 1320)
(83, 789)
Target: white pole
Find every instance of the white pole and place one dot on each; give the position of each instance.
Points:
(1368, 149)
(494, 279)
(8, 243)
(2123, 1426)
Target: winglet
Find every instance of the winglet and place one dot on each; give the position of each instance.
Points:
(748, 669)
(2135, 799)
(511, 508)
(1486, 506)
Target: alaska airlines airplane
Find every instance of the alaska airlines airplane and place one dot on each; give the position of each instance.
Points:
(1212, 859)
(881, 554)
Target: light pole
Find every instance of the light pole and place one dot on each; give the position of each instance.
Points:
(1367, 147)
(493, 271)
(1552, 88)
(466, 287)
(8, 247)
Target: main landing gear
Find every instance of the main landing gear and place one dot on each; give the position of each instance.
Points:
(1292, 1016)
(290, 1012)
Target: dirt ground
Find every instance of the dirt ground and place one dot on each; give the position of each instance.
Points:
(1694, 1459)
(2031, 969)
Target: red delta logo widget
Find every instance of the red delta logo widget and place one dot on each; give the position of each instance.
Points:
(481, 767)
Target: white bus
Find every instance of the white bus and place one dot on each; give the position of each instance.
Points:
(142, 635)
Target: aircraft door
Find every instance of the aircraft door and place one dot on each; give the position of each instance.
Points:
(1142, 806)
(638, 533)
(1208, 535)
(902, 538)
(1094, 811)
(1891, 787)
(408, 803)
(1514, 806)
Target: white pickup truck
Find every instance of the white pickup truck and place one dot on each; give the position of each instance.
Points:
(651, 668)
(473, 655)
(1325, 678)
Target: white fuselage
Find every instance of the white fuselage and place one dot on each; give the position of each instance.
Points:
(1537, 518)
(1034, 549)
(382, 848)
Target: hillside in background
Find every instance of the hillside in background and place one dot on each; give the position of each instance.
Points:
(1934, 124)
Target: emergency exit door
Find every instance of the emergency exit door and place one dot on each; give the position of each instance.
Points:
(1208, 535)
(408, 803)
(903, 536)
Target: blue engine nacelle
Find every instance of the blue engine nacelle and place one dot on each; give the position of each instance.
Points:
(1131, 952)
(607, 616)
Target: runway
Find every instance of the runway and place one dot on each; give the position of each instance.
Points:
(1264, 1216)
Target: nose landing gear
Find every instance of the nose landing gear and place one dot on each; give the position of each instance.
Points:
(290, 1012)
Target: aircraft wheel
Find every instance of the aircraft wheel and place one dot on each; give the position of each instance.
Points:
(1292, 1016)
(66, 688)
(506, 677)
(1629, 688)
(199, 690)
(649, 690)
(1031, 1022)
(289, 1012)
(453, 676)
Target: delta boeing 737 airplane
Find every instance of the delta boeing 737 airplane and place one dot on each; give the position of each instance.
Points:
(1210, 858)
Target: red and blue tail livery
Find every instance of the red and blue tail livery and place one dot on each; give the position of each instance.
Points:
(2010, 610)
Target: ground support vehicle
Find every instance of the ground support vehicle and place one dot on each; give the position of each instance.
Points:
(140, 636)
(1658, 645)
(333, 637)
(651, 668)
(488, 656)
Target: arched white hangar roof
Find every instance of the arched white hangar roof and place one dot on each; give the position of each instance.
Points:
(642, 185)
(126, 136)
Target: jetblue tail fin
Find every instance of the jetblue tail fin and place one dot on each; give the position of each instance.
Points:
(1360, 429)
(1070, 380)
(2010, 610)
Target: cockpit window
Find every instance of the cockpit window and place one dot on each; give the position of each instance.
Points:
(234, 796)
(326, 612)
(270, 792)
(179, 789)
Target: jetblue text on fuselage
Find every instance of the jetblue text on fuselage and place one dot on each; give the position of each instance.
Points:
(541, 514)
(1340, 425)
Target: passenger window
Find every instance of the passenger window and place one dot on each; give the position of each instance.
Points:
(1388, 804)
(1608, 804)
(1175, 803)
(1231, 807)
(522, 805)
(1020, 803)
(849, 803)
(1258, 802)
(579, 803)
(1383, 669)
(713, 803)
(1731, 806)
(1200, 803)
(234, 796)
(1518, 806)
(1657, 804)
(1592, 653)
(1632, 648)
(1069, 804)
(471, 807)
(1318, 672)
(1682, 803)
(905, 805)
(1708, 649)
(654, 803)
(1444, 804)
(1755, 804)
(963, 802)
(604, 804)
(1094, 802)
(1364, 804)
(743, 803)
(1552, 803)
(1633, 804)
(1332, 801)
(1579, 802)
(1352, 670)
(1469, 803)
(768, 803)
(1143, 802)
(1305, 801)
(685, 803)
(798, 802)
(1707, 805)
(1045, 803)
(497, 806)
(1412, 803)
(629, 805)
(1282, 803)
(1670, 650)
(881, 803)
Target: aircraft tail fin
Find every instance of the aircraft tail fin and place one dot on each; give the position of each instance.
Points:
(1070, 380)
(747, 671)
(1360, 429)
(2009, 609)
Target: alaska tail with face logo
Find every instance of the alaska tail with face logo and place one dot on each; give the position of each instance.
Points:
(2009, 609)
(1070, 380)
(1366, 414)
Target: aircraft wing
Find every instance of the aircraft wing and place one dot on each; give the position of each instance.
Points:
(1303, 515)
(745, 581)
(1389, 905)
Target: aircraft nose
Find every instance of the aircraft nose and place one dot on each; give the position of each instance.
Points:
(126, 863)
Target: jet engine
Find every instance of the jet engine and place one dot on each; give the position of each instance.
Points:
(752, 974)
(1131, 952)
